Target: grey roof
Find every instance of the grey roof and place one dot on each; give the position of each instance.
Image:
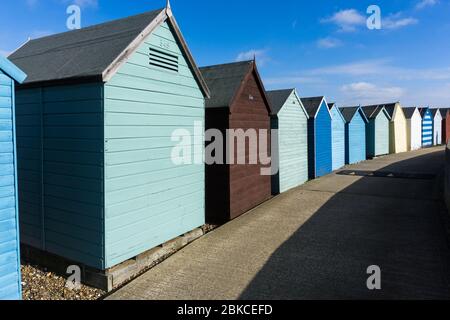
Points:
(87, 52)
(409, 112)
(373, 111)
(348, 112)
(444, 112)
(278, 98)
(390, 108)
(224, 81)
(311, 105)
(434, 111)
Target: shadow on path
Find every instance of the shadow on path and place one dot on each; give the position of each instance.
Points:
(394, 223)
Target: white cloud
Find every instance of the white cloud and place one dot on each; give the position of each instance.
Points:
(381, 68)
(260, 55)
(328, 43)
(367, 93)
(426, 3)
(86, 3)
(396, 21)
(396, 24)
(347, 20)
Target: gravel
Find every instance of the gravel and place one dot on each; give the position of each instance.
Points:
(39, 284)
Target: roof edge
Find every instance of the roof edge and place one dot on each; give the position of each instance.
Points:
(12, 70)
(252, 68)
(165, 14)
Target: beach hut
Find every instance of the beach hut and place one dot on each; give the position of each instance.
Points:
(397, 128)
(445, 125)
(291, 119)
(413, 128)
(10, 282)
(238, 104)
(377, 130)
(319, 136)
(355, 134)
(437, 126)
(100, 175)
(427, 127)
(337, 137)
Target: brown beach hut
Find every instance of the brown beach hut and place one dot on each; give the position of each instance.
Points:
(238, 101)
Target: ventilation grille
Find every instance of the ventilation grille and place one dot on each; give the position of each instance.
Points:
(163, 60)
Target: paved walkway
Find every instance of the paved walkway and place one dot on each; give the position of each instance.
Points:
(316, 242)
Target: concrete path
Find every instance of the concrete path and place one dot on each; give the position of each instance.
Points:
(316, 242)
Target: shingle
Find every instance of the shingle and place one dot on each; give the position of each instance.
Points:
(224, 81)
(87, 52)
(311, 105)
(278, 98)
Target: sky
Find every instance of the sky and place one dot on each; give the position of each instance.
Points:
(320, 47)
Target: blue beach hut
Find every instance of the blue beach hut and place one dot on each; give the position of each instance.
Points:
(355, 134)
(337, 137)
(9, 213)
(377, 130)
(427, 127)
(97, 117)
(319, 136)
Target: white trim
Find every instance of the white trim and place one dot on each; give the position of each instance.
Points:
(111, 70)
(301, 104)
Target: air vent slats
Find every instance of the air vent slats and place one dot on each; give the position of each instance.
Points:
(163, 60)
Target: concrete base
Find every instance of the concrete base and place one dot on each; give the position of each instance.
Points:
(118, 275)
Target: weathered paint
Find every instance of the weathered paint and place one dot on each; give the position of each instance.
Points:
(338, 138)
(397, 131)
(292, 144)
(148, 198)
(10, 278)
(355, 136)
(97, 182)
(437, 128)
(377, 135)
(319, 143)
(414, 131)
(427, 127)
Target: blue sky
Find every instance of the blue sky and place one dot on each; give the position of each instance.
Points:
(321, 47)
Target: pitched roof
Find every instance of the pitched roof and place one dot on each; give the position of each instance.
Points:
(224, 81)
(348, 112)
(444, 112)
(312, 105)
(423, 110)
(11, 70)
(373, 111)
(434, 111)
(80, 53)
(409, 112)
(95, 51)
(390, 108)
(278, 98)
